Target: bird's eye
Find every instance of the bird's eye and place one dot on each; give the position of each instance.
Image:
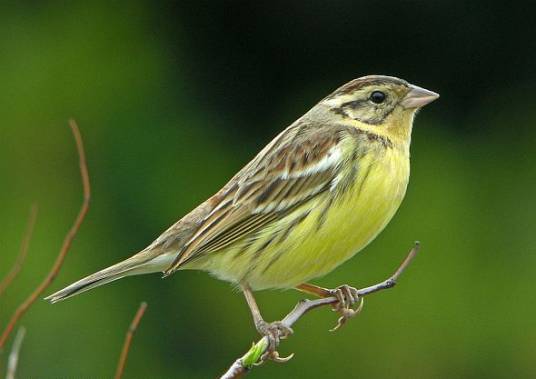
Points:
(377, 97)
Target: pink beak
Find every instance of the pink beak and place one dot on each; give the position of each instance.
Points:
(418, 97)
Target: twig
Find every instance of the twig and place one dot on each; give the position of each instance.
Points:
(14, 354)
(23, 252)
(21, 310)
(128, 340)
(253, 357)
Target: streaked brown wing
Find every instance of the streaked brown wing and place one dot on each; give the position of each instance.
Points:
(294, 168)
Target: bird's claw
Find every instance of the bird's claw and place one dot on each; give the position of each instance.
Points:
(347, 296)
(274, 332)
(347, 314)
(274, 356)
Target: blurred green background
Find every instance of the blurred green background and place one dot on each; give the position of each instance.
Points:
(172, 99)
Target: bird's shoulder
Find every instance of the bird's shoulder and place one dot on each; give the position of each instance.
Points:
(297, 165)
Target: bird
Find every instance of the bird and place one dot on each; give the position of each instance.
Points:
(317, 194)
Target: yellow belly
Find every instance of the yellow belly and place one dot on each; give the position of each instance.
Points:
(326, 237)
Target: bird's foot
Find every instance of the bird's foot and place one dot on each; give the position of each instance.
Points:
(347, 297)
(274, 332)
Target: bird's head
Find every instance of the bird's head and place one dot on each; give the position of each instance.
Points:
(383, 105)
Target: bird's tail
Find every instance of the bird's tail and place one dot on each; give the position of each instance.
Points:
(144, 262)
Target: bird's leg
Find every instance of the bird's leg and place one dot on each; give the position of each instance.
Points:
(347, 296)
(274, 331)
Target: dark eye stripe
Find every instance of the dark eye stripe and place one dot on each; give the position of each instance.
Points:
(354, 104)
(358, 105)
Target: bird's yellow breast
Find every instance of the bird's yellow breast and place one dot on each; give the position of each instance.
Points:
(323, 233)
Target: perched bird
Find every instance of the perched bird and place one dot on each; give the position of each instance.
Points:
(310, 200)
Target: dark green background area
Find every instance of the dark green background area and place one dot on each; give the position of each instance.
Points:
(173, 99)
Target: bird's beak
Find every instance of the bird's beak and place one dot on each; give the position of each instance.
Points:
(418, 97)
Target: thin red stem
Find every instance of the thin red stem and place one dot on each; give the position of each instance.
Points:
(23, 308)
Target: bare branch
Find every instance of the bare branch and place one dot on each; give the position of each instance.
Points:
(23, 252)
(254, 355)
(14, 354)
(21, 310)
(128, 340)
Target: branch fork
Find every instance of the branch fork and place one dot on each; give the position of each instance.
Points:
(260, 351)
